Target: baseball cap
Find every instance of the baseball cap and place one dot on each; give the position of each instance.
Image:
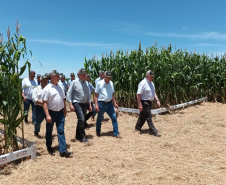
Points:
(54, 72)
(43, 77)
(101, 72)
(150, 72)
(108, 74)
(82, 71)
(72, 74)
(38, 75)
(63, 76)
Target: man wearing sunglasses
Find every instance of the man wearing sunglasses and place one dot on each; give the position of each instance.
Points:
(28, 85)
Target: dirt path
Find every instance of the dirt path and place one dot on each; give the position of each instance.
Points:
(192, 150)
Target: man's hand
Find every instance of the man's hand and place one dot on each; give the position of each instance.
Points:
(140, 107)
(97, 108)
(72, 108)
(24, 99)
(48, 119)
(158, 103)
(90, 108)
(65, 112)
(116, 105)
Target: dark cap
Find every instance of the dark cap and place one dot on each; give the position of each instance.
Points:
(108, 74)
(82, 71)
(44, 77)
(150, 73)
(72, 74)
(38, 75)
(101, 72)
(54, 72)
(63, 76)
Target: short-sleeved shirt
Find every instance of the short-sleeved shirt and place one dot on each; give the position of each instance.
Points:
(146, 89)
(55, 96)
(79, 92)
(28, 87)
(37, 94)
(97, 80)
(105, 91)
(91, 88)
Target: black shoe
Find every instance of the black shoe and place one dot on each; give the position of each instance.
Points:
(66, 154)
(50, 150)
(26, 120)
(137, 129)
(86, 125)
(98, 134)
(36, 134)
(84, 140)
(156, 134)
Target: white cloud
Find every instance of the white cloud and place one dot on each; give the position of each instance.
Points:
(204, 35)
(74, 44)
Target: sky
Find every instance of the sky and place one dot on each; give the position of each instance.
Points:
(61, 33)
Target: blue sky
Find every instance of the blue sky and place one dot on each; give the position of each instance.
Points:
(61, 33)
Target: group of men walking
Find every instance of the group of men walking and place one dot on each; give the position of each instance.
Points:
(48, 100)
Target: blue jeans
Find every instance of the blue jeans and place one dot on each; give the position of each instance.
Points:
(40, 116)
(109, 108)
(80, 109)
(59, 118)
(26, 108)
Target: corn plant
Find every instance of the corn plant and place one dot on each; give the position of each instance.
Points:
(179, 76)
(11, 52)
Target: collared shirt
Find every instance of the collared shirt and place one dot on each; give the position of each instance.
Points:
(37, 94)
(104, 90)
(146, 89)
(63, 85)
(97, 80)
(79, 92)
(28, 87)
(55, 97)
(69, 82)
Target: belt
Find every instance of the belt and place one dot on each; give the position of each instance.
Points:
(56, 111)
(107, 101)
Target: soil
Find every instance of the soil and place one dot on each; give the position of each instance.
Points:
(192, 150)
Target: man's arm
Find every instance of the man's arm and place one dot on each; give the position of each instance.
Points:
(139, 102)
(45, 107)
(65, 108)
(95, 100)
(113, 98)
(69, 98)
(158, 102)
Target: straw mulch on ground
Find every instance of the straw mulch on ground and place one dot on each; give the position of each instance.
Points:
(192, 150)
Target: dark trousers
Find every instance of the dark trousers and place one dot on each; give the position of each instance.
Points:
(92, 113)
(26, 108)
(40, 116)
(80, 110)
(145, 115)
(59, 118)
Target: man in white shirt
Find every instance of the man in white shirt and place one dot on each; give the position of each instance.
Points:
(55, 109)
(104, 96)
(39, 79)
(37, 99)
(145, 95)
(101, 77)
(28, 85)
(79, 97)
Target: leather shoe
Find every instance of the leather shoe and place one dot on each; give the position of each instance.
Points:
(84, 140)
(50, 150)
(137, 129)
(98, 134)
(65, 154)
(26, 120)
(156, 135)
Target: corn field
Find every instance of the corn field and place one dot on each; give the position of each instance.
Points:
(179, 76)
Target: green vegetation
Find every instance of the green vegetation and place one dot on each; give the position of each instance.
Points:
(179, 76)
(11, 52)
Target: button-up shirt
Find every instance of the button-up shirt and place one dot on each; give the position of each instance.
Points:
(146, 89)
(37, 94)
(97, 80)
(55, 97)
(79, 92)
(28, 87)
(104, 90)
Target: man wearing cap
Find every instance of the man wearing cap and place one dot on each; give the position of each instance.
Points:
(104, 96)
(63, 84)
(28, 85)
(69, 81)
(55, 109)
(145, 95)
(93, 112)
(38, 79)
(101, 77)
(37, 99)
(79, 97)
